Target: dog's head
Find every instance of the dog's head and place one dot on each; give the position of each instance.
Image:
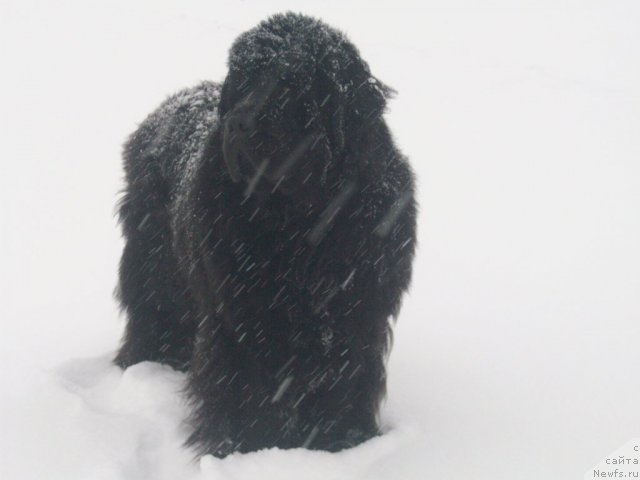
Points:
(293, 105)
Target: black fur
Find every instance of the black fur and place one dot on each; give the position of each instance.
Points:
(270, 229)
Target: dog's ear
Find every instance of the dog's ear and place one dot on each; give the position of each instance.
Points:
(369, 99)
(352, 98)
(225, 97)
(366, 96)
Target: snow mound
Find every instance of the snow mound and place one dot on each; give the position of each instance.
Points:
(89, 419)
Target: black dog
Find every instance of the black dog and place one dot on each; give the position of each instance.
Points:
(270, 229)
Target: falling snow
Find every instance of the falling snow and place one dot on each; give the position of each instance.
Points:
(519, 338)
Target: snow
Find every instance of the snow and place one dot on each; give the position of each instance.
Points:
(516, 352)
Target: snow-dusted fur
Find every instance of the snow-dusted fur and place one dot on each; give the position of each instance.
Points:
(270, 229)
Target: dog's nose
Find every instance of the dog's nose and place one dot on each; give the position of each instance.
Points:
(240, 123)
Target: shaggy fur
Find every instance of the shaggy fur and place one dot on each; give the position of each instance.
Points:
(270, 228)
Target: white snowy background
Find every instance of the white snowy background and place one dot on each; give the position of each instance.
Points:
(517, 350)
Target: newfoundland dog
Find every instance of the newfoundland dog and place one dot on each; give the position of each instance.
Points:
(270, 229)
